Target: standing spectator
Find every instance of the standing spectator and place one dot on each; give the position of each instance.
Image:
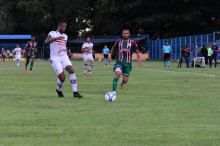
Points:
(209, 52)
(186, 54)
(214, 55)
(3, 53)
(166, 54)
(204, 52)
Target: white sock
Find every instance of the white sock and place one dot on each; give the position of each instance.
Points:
(18, 63)
(90, 67)
(84, 68)
(73, 82)
(59, 85)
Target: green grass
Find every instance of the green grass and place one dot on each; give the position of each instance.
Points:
(158, 106)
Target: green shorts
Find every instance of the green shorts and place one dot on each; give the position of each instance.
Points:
(124, 67)
(31, 57)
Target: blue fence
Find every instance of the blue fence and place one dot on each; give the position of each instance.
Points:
(195, 44)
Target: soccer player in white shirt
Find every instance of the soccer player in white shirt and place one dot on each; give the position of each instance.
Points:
(18, 52)
(59, 59)
(87, 49)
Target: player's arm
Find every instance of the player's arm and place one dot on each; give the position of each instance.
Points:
(113, 50)
(138, 53)
(51, 39)
(85, 49)
(36, 48)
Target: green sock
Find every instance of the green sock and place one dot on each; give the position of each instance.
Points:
(31, 67)
(115, 82)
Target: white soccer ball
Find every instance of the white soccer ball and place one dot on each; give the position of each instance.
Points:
(110, 96)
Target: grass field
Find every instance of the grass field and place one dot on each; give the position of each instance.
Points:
(159, 106)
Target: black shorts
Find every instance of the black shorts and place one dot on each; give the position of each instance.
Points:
(166, 56)
(106, 56)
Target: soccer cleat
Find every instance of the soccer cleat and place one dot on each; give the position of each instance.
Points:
(25, 69)
(76, 94)
(30, 73)
(84, 75)
(90, 72)
(60, 93)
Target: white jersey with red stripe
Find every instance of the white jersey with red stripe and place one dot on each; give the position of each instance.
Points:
(87, 45)
(58, 47)
(18, 51)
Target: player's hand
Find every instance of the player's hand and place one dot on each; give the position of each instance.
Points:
(89, 49)
(60, 38)
(71, 56)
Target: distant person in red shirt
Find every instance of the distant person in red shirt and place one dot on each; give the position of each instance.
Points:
(3, 53)
(186, 54)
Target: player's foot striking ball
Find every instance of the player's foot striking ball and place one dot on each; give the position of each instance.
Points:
(124, 49)
(30, 49)
(87, 49)
(60, 60)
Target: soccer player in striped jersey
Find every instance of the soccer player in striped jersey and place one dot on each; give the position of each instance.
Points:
(30, 49)
(124, 49)
(60, 60)
(18, 52)
(87, 49)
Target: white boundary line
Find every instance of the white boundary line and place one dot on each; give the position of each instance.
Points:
(190, 73)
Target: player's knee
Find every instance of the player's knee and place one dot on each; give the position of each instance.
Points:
(62, 79)
(125, 81)
(117, 75)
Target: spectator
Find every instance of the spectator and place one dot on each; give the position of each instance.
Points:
(204, 52)
(3, 53)
(214, 55)
(209, 52)
(186, 54)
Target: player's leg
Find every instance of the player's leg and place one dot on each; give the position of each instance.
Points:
(27, 62)
(31, 66)
(85, 65)
(57, 66)
(69, 68)
(168, 58)
(18, 60)
(215, 59)
(106, 58)
(164, 60)
(91, 65)
(118, 71)
(60, 81)
(126, 73)
(210, 62)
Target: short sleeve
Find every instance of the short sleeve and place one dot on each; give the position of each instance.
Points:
(84, 45)
(52, 34)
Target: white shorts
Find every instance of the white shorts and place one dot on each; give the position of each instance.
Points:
(60, 64)
(118, 69)
(87, 58)
(18, 56)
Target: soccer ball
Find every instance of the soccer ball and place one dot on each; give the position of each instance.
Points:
(110, 96)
